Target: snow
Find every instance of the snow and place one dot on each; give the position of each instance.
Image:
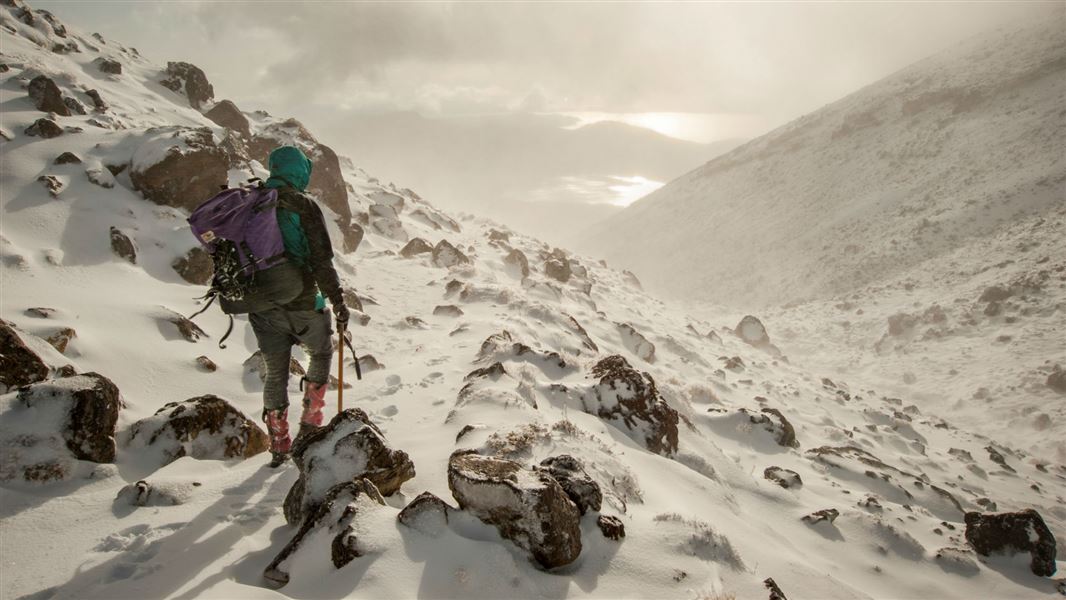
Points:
(702, 522)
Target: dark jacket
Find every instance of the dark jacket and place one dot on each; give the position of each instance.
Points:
(319, 274)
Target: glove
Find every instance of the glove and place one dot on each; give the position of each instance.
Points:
(340, 313)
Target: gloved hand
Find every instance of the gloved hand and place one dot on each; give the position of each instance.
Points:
(340, 313)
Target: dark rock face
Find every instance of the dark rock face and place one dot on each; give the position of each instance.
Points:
(446, 255)
(45, 128)
(196, 266)
(751, 330)
(92, 402)
(527, 507)
(67, 158)
(426, 513)
(611, 527)
(415, 247)
(107, 65)
(123, 246)
(356, 449)
(1023, 531)
(19, 365)
(333, 516)
(517, 259)
(193, 170)
(205, 428)
(786, 478)
(188, 77)
(226, 114)
(571, 475)
(45, 95)
(627, 395)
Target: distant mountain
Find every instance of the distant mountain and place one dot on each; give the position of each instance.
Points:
(518, 168)
(933, 158)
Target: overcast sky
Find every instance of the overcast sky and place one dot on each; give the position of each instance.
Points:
(768, 62)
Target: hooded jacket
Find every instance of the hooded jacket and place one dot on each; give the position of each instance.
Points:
(303, 228)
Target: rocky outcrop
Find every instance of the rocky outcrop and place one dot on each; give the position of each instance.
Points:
(196, 266)
(628, 399)
(190, 79)
(415, 247)
(179, 167)
(226, 114)
(347, 449)
(205, 428)
(19, 365)
(527, 507)
(45, 128)
(46, 97)
(331, 522)
(571, 475)
(446, 255)
(123, 246)
(1023, 531)
(786, 478)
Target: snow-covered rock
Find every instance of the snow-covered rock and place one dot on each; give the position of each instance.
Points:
(18, 364)
(628, 399)
(1023, 531)
(205, 428)
(571, 475)
(179, 166)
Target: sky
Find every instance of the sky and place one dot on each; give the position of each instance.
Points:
(699, 71)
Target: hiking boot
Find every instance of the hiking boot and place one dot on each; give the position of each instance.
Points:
(314, 402)
(277, 422)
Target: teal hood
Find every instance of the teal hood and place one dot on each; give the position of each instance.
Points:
(289, 166)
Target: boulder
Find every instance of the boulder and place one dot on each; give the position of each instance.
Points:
(1011, 533)
(53, 184)
(496, 235)
(45, 128)
(527, 507)
(347, 449)
(570, 474)
(351, 236)
(205, 428)
(751, 330)
(629, 399)
(46, 97)
(67, 158)
(517, 260)
(786, 478)
(557, 269)
(368, 363)
(19, 365)
(61, 339)
(188, 330)
(415, 247)
(329, 525)
(101, 176)
(179, 167)
(123, 246)
(196, 266)
(611, 527)
(182, 76)
(1057, 380)
(995, 293)
(827, 514)
(773, 421)
(109, 66)
(76, 106)
(426, 513)
(226, 114)
(98, 103)
(448, 310)
(446, 255)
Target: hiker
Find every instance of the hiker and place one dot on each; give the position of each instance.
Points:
(304, 320)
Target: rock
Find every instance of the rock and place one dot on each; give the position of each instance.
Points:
(206, 364)
(995, 293)
(226, 114)
(629, 400)
(45, 128)
(415, 247)
(1057, 380)
(499, 236)
(778, 425)
(434, 219)
(352, 236)
(426, 513)
(98, 102)
(46, 97)
(53, 184)
(611, 527)
(109, 66)
(205, 428)
(527, 507)
(196, 266)
(19, 365)
(67, 158)
(40, 312)
(123, 246)
(448, 310)
(76, 107)
(184, 76)
(188, 330)
(331, 519)
(751, 330)
(517, 260)
(570, 474)
(179, 167)
(347, 449)
(368, 363)
(827, 514)
(60, 339)
(557, 269)
(446, 255)
(785, 478)
(1023, 531)
(775, 591)
(637, 343)
(144, 493)
(101, 176)
(87, 408)
(631, 279)
(256, 364)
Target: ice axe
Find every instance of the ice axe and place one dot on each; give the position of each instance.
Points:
(342, 333)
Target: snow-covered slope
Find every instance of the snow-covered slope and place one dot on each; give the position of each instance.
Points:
(702, 519)
(937, 157)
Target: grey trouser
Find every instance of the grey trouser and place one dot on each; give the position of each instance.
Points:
(277, 330)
